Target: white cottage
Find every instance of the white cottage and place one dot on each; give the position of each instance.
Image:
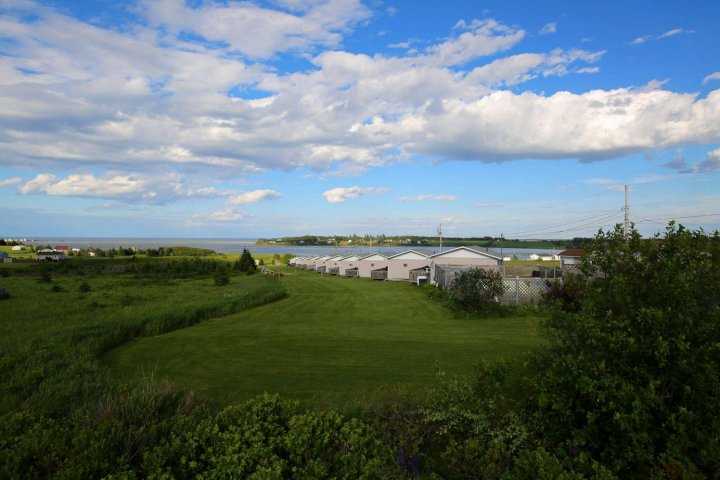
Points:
(373, 262)
(332, 265)
(464, 257)
(400, 265)
(349, 266)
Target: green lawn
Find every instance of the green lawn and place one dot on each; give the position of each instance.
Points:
(337, 342)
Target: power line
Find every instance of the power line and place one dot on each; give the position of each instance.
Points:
(565, 224)
(597, 223)
(662, 220)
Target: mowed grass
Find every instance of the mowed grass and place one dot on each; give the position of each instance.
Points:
(335, 342)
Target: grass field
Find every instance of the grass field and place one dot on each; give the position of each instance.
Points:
(336, 342)
(51, 334)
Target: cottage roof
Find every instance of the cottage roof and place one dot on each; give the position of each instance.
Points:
(573, 252)
(408, 254)
(373, 256)
(468, 250)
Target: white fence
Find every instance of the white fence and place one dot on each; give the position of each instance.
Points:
(517, 290)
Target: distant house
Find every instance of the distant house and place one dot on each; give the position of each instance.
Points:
(399, 265)
(18, 248)
(8, 260)
(50, 255)
(571, 259)
(62, 248)
(373, 262)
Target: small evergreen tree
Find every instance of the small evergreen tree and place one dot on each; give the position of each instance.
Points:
(246, 263)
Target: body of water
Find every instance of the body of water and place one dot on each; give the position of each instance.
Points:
(237, 245)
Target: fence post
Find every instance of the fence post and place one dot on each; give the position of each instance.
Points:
(517, 290)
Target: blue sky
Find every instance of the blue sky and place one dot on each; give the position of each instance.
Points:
(172, 118)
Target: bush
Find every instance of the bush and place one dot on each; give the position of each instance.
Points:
(633, 378)
(222, 278)
(475, 289)
(565, 293)
(57, 289)
(4, 294)
(84, 288)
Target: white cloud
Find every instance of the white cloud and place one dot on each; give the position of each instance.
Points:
(481, 38)
(260, 32)
(140, 100)
(670, 33)
(588, 70)
(10, 181)
(129, 187)
(548, 28)
(256, 196)
(711, 77)
(526, 66)
(228, 215)
(340, 194)
(85, 185)
(599, 181)
(426, 198)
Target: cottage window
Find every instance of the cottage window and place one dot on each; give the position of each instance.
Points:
(404, 264)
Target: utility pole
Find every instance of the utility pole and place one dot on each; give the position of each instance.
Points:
(626, 230)
(501, 245)
(439, 232)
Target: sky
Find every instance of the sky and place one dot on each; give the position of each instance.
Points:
(246, 119)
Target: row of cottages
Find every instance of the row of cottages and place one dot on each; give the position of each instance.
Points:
(409, 265)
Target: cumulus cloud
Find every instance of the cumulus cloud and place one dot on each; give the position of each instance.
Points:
(140, 99)
(340, 194)
(256, 196)
(548, 28)
(426, 198)
(711, 77)
(10, 181)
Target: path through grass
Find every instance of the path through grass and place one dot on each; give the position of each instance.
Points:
(336, 342)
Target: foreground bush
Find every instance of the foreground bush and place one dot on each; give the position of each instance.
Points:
(633, 378)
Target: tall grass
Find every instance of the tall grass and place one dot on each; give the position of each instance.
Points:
(51, 343)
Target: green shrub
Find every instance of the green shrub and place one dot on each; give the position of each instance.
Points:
(634, 376)
(565, 293)
(221, 278)
(84, 288)
(475, 289)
